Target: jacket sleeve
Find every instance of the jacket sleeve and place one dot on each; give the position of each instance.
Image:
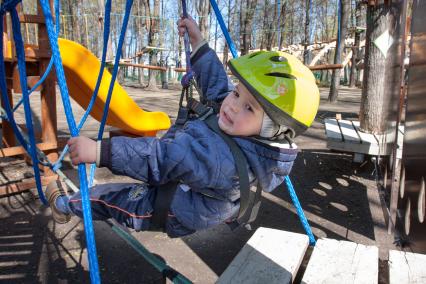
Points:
(159, 161)
(211, 78)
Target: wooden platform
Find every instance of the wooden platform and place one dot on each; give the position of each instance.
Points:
(274, 256)
(270, 256)
(345, 135)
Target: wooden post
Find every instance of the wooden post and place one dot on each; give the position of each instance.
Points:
(47, 96)
(8, 136)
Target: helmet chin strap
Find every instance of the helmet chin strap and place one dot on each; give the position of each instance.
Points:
(282, 129)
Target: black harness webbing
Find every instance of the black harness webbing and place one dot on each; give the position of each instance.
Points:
(249, 200)
(163, 200)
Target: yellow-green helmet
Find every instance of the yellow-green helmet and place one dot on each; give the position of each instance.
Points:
(284, 87)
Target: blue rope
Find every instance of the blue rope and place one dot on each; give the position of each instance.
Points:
(20, 53)
(186, 79)
(25, 97)
(299, 210)
(3, 88)
(129, 4)
(58, 163)
(290, 187)
(49, 67)
(8, 5)
(224, 29)
(87, 214)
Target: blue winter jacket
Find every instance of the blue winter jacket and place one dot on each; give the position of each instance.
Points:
(199, 159)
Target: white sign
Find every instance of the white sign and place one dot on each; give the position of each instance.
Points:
(384, 42)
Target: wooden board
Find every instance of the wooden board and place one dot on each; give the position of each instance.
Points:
(270, 256)
(339, 262)
(352, 139)
(332, 130)
(349, 132)
(274, 256)
(406, 267)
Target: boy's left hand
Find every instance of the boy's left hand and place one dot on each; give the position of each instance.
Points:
(82, 150)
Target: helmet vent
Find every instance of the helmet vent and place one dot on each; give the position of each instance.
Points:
(278, 59)
(254, 54)
(282, 75)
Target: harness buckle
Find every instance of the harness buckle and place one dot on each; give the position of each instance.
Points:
(206, 114)
(182, 116)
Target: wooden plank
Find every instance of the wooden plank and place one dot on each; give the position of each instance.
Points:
(332, 129)
(339, 262)
(8, 136)
(32, 19)
(19, 150)
(371, 144)
(23, 185)
(335, 138)
(31, 53)
(270, 256)
(406, 267)
(326, 67)
(365, 137)
(349, 132)
(352, 147)
(160, 68)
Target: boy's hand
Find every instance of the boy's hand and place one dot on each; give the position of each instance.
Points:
(82, 150)
(194, 33)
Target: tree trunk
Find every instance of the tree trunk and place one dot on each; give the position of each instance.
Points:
(270, 35)
(340, 44)
(306, 40)
(246, 20)
(263, 39)
(355, 48)
(282, 24)
(373, 111)
(153, 41)
(292, 24)
(225, 46)
(203, 10)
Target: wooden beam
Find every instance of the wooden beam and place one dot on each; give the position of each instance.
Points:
(160, 68)
(326, 67)
(179, 69)
(19, 150)
(24, 185)
(31, 19)
(269, 256)
(334, 261)
(37, 53)
(49, 123)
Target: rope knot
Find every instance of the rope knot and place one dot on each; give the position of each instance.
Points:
(8, 6)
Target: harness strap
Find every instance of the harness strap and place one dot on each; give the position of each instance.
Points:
(249, 203)
(163, 200)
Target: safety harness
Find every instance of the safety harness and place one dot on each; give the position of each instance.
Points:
(249, 199)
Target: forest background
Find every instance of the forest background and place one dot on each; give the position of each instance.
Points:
(253, 24)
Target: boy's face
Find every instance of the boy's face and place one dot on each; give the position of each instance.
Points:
(240, 113)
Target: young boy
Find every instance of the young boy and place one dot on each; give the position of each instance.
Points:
(275, 100)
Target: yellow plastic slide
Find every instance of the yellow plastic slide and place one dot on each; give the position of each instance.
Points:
(81, 72)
